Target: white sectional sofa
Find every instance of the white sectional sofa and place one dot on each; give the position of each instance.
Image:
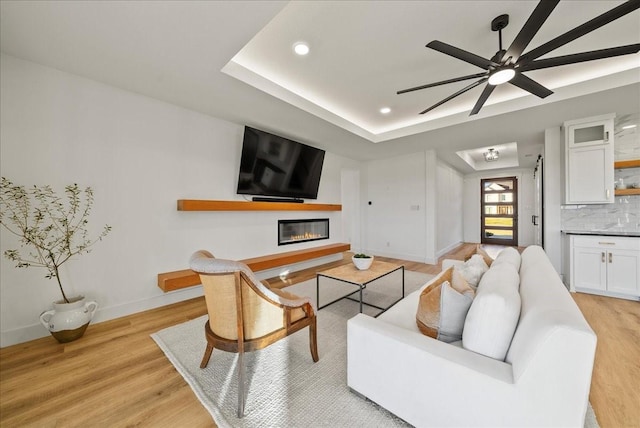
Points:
(543, 381)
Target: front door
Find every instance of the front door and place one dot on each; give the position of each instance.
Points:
(499, 211)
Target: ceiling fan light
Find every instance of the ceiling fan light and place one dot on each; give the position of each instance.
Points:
(501, 76)
(301, 48)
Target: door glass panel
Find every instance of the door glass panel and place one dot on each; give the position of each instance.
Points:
(498, 209)
(498, 221)
(506, 234)
(498, 197)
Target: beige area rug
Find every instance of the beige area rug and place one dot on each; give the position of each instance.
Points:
(284, 387)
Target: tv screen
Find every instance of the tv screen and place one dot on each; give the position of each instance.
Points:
(276, 166)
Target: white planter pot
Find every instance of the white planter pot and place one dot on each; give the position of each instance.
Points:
(362, 263)
(68, 321)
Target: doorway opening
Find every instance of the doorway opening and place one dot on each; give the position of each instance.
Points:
(499, 211)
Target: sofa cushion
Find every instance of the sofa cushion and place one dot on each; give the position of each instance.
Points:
(473, 269)
(494, 313)
(509, 255)
(443, 306)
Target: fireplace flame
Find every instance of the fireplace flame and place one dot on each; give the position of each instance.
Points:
(305, 235)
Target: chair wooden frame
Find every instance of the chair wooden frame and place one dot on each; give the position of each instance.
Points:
(287, 303)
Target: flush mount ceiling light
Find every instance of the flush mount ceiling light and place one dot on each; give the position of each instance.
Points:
(501, 76)
(491, 155)
(385, 110)
(301, 48)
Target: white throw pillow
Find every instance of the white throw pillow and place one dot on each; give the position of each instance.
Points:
(473, 269)
(443, 306)
(493, 316)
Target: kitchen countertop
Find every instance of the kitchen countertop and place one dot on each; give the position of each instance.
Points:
(601, 232)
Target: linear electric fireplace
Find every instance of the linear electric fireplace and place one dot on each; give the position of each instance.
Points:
(294, 231)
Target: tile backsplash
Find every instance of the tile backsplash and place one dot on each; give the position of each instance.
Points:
(623, 215)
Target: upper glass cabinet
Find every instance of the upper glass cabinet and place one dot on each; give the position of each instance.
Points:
(591, 133)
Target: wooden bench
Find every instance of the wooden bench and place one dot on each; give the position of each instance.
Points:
(170, 281)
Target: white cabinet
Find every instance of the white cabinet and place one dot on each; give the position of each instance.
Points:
(589, 160)
(605, 265)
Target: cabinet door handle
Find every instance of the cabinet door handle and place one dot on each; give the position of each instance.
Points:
(602, 257)
(610, 258)
(606, 136)
(608, 193)
(606, 243)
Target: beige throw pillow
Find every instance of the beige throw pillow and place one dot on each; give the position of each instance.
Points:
(487, 258)
(443, 306)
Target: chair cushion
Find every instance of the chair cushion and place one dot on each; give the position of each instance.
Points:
(473, 269)
(443, 306)
(494, 313)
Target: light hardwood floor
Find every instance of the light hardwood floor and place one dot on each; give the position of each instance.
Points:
(116, 376)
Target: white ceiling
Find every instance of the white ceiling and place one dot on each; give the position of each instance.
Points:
(362, 53)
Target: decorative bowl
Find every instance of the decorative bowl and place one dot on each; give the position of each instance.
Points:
(362, 263)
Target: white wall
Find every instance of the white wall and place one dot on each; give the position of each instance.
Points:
(416, 207)
(471, 197)
(140, 155)
(395, 225)
(449, 206)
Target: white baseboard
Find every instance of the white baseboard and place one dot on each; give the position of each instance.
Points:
(36, 331)
(447, 249)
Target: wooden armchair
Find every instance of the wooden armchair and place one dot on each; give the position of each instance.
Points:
(246, 315)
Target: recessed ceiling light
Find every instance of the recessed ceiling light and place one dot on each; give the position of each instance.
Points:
(629, 126)
(385, 110)
(301, 48)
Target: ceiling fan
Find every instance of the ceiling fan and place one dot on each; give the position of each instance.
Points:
(509, 65)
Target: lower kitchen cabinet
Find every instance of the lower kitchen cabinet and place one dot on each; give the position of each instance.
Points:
(605, 265)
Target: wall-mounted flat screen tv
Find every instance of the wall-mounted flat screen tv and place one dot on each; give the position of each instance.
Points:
(278, 167)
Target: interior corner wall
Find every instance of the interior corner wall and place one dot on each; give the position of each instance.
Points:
(449, 206)
(553, 188)
(139, 155)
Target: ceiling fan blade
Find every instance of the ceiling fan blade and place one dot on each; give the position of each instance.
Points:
(483, 98)
(581, 30)
(580, 57)
(460, 92)
(444, 82)
(462, 54)
(529, 85)
(530, 28)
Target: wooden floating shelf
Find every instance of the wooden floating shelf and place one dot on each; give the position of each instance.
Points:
(626, 192)
(635, 163)
(209, 205)
(170, 281)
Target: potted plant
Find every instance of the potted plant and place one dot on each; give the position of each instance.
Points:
(362, 261)
(54, 229)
